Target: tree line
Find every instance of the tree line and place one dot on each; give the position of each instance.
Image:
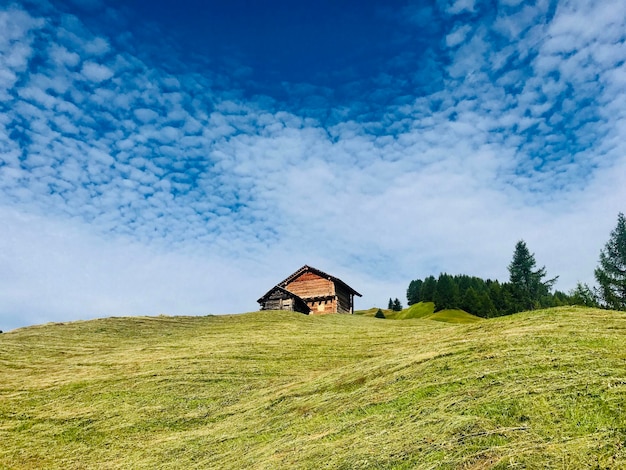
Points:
(529, 287)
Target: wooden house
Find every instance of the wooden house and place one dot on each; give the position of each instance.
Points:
(310, 290)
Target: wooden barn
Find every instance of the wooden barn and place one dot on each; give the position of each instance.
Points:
(310, 290)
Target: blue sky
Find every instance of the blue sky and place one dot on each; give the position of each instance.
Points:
(183, 157)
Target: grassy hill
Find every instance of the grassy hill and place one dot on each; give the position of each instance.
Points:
(426, 311)
(282, 390)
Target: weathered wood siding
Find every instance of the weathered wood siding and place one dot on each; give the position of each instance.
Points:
(343, 301)
(311, 285)
(321, 292)
(321, 307)
(278, 301)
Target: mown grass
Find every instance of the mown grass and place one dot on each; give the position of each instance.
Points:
(425, 311)
(266, 390)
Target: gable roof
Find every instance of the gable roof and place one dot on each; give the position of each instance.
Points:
(282, 291)
(320, 273)
(303, 307)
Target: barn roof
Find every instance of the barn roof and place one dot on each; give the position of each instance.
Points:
(320, 273)
(300, 303)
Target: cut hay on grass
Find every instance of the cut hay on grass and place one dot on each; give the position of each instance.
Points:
(265, 390)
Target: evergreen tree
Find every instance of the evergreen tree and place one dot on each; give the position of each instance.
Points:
(463, 283)
(470, 302)
(390, 304)
(447, 293)
(498, 297)
(611, 272)
(413, 292)
(486, 309)
(582, 294)
(397, 306)
(428, 289)
(379, 314)
(528, 287)
(559, 299)
(507, 299)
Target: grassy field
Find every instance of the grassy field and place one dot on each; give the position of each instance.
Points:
(272, 390)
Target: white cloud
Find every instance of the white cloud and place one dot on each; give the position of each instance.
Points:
(97, 46)
(96, 72)
(460, 6)
(38, 96)
(458, 36)
(16, 38)
(15, 25)
(62, 56)
(145, 115)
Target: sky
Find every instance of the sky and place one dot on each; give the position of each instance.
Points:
(181, 158)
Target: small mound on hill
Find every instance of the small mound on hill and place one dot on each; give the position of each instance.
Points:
(418, 310)
(426, 311)
(454, 316)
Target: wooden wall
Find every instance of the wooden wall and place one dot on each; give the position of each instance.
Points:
(344, 301)
(328, 298)
(279, 300)
(321, 307)
(276, 301)
(272, 304)
(311, 285)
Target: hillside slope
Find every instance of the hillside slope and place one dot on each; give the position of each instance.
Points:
(281, 390)
(425, 311)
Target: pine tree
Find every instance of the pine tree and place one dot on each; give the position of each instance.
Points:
(498, 298)
(379, 314)
(611, 272)
(429, 287)
(582, 294)
(397, 305)
(470, 302)
(390, 304)
(486, 309)
(528, 288)
(413, 292)
(447, 293)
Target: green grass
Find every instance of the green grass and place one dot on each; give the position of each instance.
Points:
(269, 390)
(425, 311)
(453, 316)
(419, 310)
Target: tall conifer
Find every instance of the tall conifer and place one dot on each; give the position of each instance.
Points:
(527, 285)
(611, 272)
